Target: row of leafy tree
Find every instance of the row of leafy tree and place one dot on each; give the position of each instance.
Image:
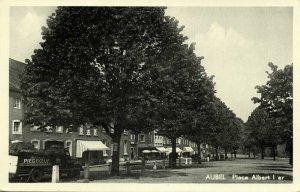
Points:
(271, 123)
(124, 68)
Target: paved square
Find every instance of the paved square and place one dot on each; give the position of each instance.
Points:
(230, 171)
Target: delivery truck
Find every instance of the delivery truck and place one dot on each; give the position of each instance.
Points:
(31, 165)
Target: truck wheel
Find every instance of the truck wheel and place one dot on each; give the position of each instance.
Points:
(36, 175)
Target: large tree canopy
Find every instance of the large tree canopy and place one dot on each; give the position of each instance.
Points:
(90, 64)
(261, 129)
(182, 88)
(277, 97)
(96, 67)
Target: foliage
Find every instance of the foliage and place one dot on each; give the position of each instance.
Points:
(93, 68)
(277, 96)
(261, 129)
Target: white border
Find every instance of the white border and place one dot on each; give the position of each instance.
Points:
(4, 47)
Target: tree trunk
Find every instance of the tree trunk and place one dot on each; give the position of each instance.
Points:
(217, 155)
(136, 139)
(116, 155)
(262, 152)
(173, 154)
(234, 151)
(249, 151)
(199, 152)
(226, 157)
(254, 153)
(290, 147)
(274, 152)
(231, 154)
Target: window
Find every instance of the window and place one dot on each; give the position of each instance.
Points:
(104, 151)
(88, 131)
(59, 129)
(36, 143)
(68, 145)
(17, 103)
(81, 130)
(125, 148)
(95, 132)
(132, 137)
(17, 127)
(142, 138)
(106, 51)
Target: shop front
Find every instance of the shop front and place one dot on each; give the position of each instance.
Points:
(91, 151)
(187, 151)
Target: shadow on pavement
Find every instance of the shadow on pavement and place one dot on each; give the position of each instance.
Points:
(275, 168)
(136, 174)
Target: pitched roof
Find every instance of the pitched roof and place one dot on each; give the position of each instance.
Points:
(15, 69)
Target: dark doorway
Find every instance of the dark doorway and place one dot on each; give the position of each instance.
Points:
(54, 145)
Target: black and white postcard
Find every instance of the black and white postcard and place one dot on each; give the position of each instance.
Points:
(166, 96)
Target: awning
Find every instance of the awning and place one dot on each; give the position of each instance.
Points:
(177, 150)
(146, 151)
(188, 149)
(83, 146)
(154, 151)
(16, 141)
(162, 149)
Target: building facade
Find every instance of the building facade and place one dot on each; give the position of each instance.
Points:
(153, 141)
(16, 112)
(57, 137)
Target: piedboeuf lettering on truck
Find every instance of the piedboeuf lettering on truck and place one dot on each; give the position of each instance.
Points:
(35, 162)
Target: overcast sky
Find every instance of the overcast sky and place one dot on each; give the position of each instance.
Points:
(237, 44)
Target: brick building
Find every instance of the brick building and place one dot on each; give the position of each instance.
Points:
(75, 141)
(15, 106)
